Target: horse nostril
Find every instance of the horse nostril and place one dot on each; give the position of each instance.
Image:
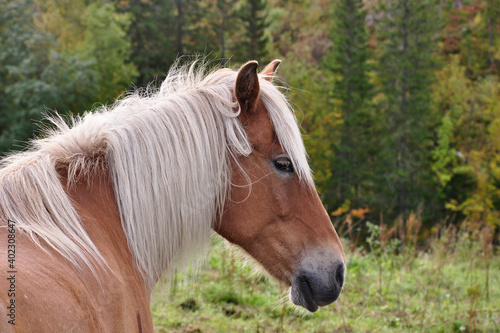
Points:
(339, 275)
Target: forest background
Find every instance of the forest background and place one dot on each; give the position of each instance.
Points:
(399, 100)
(399, 105)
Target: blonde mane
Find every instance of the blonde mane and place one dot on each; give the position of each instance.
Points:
(169, 155)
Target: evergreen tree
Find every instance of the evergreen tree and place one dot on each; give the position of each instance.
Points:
(202, 33)
(179, 26)
(351, 92)
(406, 73)
(225, 11)
(195, 27)
(152, 34)
(254, 15)
(492, 19)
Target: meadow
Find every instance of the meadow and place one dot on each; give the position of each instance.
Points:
(449, 283)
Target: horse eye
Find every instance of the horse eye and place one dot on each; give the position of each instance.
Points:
(283, 164)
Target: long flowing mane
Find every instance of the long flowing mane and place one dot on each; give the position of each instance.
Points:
(169, 155)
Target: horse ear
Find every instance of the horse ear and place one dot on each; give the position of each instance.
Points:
(247, 86)
(270, 70)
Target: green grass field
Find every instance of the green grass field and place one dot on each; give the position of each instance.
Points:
(452, 286)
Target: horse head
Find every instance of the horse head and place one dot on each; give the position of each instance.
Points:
(273, 211)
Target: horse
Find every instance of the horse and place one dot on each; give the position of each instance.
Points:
(96, 211)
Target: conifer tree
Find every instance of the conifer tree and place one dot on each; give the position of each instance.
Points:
(254, 15)
(225, 22)
(492, 18)
(152, 34)
(406, 72)
(351, 92)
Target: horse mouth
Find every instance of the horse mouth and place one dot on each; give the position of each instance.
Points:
(301, 294)
(312, 290)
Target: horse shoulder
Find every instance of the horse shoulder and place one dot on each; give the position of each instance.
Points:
(51, 295)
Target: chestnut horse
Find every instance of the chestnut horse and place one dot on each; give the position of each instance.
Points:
(92, 215)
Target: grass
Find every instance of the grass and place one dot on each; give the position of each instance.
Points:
(452, 286)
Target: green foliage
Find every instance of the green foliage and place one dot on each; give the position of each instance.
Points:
(96, 33)
(43, 68)
(33, 76)
(19, 60)
(226, 25)
(406, 75)
(106, 44)
(465, 158)
(151, 55)
(201, 37)
(254, 15)
(349, 96)
(399, 99)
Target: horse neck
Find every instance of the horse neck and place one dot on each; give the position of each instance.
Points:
(95, 202)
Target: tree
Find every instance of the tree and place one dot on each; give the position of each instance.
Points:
(195, 31)
(106, 43)
(456, 179)
(466, 155)
(492, 19)
(152, 32)
(21, 57)
(254, 15)
(350, 96)
(95, 33)
(33, 75)
(179, 23)
(46, 67)
(472, 33)
(225, 11)
(405, 70)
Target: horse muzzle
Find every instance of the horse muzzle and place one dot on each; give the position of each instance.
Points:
(318, 286)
